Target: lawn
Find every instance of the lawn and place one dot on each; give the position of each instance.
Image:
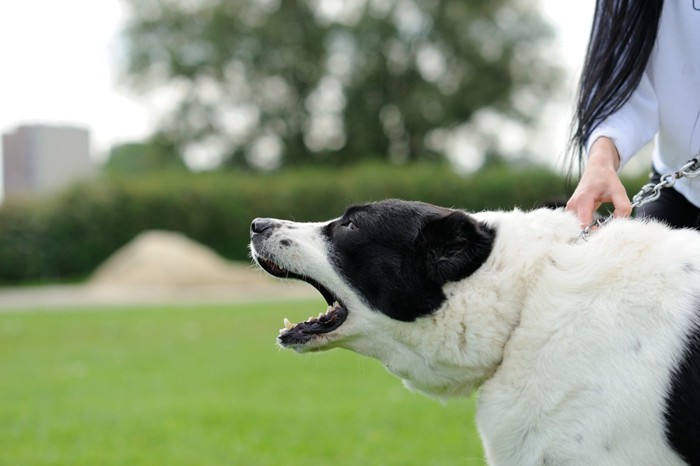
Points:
(207, 386)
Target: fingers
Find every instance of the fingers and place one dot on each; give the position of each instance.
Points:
(583, 207)
(622, 204)
(599, 183)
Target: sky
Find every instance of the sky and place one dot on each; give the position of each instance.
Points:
(60, 64)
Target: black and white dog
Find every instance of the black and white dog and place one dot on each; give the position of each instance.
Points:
(584, 352)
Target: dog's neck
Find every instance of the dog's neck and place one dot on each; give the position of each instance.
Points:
(475, 325)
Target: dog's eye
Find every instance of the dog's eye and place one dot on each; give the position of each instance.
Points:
(349, 225)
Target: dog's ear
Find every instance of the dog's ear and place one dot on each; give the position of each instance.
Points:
(454, 246)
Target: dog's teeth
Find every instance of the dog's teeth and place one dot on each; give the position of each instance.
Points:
(287, 324)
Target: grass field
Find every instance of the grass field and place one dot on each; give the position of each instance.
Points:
(207, 386)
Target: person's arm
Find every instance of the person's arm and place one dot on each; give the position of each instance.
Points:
(633, 125)
(614, 142)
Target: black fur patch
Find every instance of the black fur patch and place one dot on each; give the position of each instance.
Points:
(399, 254)
(683, 402)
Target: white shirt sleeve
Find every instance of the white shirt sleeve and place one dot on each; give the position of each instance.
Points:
(633, 125)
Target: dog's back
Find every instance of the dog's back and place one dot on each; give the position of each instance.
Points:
(604, 366)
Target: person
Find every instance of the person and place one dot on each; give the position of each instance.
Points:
(641, 79)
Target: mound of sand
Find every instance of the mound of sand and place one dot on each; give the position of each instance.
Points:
(169, 259)
(156, 268)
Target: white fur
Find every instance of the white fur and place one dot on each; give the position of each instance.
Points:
(534, 328)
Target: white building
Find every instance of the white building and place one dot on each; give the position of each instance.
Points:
(40, 159)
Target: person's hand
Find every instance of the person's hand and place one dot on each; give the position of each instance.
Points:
(600, 183)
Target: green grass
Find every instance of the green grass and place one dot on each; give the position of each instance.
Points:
(207, 386)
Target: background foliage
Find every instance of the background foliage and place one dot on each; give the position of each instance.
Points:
(265, 83)
(69, 235)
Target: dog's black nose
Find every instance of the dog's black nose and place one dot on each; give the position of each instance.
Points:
(259, 225)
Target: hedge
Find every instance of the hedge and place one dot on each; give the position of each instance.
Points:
(66, 237)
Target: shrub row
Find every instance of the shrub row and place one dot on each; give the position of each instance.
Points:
(66, 237)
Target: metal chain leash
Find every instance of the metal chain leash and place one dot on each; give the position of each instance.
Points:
(651, 192)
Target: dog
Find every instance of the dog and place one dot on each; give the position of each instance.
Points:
(584, 352)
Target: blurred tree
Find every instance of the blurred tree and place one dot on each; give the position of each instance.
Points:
(264, 83)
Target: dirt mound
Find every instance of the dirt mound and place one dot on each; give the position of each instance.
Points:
(169, 259)
(160, 268)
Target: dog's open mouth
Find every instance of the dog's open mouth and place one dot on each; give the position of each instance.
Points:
(302, 333)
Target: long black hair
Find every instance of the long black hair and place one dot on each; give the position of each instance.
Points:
(622, 38)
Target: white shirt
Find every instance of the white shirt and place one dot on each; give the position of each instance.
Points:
(667, 101)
